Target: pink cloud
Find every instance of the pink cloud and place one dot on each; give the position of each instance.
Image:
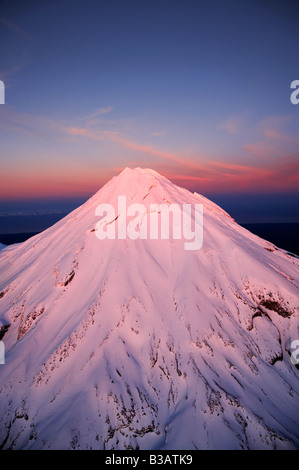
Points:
(231, 125)
(275, 171)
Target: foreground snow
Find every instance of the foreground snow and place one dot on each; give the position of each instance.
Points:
(121, 344)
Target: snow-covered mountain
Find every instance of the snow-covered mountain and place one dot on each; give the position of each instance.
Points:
(126, 344)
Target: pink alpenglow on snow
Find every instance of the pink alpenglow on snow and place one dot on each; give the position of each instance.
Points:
(128, 343)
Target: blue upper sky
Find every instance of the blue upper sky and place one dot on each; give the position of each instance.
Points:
(198, 90)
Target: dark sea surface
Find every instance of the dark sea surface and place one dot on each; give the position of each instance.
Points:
(283, 235)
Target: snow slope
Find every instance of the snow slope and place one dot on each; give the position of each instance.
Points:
(125, 344)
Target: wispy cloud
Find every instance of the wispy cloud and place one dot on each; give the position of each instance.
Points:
(19, 61)
(20, 122)
(11, 25)
(220, 177)
(271, 138)
(95, 114)
(7, 73)
(231, 125)
(157, 134)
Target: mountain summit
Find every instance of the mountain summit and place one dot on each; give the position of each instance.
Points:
(128, 343)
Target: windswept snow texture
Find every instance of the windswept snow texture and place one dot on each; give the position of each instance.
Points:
(127, 344)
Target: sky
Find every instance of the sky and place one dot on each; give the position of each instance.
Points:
(197, 90)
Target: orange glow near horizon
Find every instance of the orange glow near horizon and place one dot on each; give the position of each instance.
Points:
(44, 186)
(210, 177)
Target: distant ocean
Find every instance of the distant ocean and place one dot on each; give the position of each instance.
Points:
(283, 235)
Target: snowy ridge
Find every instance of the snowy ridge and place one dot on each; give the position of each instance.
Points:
(126, 344)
